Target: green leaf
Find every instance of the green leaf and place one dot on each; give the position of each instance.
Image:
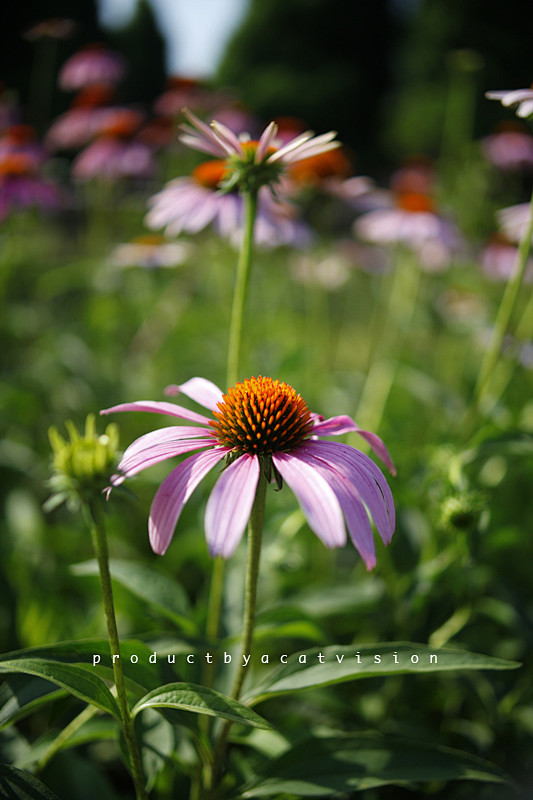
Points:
(18, 785)
(201, 700)
(340, 663)
(141, 676)
(20, 695)
(79, 681)
(159, 590)
(336, 765)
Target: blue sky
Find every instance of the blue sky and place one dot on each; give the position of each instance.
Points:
(196, 30)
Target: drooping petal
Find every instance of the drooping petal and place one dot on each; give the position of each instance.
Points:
(354, 511)
(174, 493)
(366, 476)
(157, 446)
(229, 141)
(200, 136)
(335, 426)
(158, 408)
(200, 390)
(264, 142)
(316, 497)
(230, 504)
(305, 146)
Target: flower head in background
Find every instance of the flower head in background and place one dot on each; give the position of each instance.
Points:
(93, 64)
(82, 121)
(116, 152)
(192, 203)
(410, 218)
(498, 259)
(252, 164)
(151, 252)
(510, 148)
(521, 99)
(259, 425)
(514, 220)
(21, 185)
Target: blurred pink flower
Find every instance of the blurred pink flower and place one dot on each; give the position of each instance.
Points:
(413, 222)
(151, 252)
(522, 99)
(261, 425)
(192, 203)
(116, 153)
(93, 64)
(83, 120)
(513, 221)
(510, 148)
(498, 259)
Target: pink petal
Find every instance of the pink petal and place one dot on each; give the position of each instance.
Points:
(230, 504)
(174, 493)
(206, 141)
(365, 476)
(229, 141)
(200, 390)
(317, 499)
(157, 446)
(335, 426)
(354, 510)
(264, 142)
(158, 408)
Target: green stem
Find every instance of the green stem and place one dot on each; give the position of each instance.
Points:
(255, 532)
(244, 267)
(73, 726)
(100, 546)
(504, 313)
(241, 287)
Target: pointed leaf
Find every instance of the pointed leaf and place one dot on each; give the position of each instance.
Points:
(200, 700)
(20, 695)
(340, 663)
(319, 767)
(18, 785)
(79, 681)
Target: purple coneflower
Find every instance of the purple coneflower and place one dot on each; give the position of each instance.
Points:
(93, 64)
(192, 203)
(116, 153)
(259, 425)
(498, 259)
(509, 148)
(514, 221)
(411, 220)
(251, 163)
(521, 98)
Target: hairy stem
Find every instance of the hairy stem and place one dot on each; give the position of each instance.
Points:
(100, 546)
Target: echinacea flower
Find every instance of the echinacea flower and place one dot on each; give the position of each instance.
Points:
(259, 425)
(151, 252)
(93, 64)
(412, 220)
(190, 204)
(509, 148)
(116, 152)
(498, 259)
(514, 221)
(522, 99)
(252, 164)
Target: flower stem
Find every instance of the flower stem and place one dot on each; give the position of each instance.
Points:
(100, 546)
(244, 267)
(255, 533)
(504, 313)
(241, 287)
